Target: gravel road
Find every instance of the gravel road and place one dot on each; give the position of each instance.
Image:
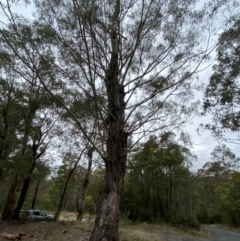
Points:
(219, 235)
(222, 235)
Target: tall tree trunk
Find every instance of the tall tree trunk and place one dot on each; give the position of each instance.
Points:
(1, 173)
(26, 182)
(62, 196)
(21, 199)
(7, 212)
(190, 197)
(160, 205)
(170, 191)
(108, 213)
(81, 201)
(35, 195)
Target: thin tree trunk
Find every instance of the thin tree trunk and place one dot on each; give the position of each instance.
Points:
(161, 212)
(170, 191)
(62, 196)
(59, 208)
(35, 195)
(80, 203)
(108, 213)
(1, 173)
(7, 212)
(190, 197)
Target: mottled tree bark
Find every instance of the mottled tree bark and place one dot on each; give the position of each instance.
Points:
(108, 213)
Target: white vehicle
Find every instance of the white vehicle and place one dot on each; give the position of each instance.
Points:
(36, 215)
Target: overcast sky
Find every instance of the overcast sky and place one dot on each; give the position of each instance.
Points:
(204, 143)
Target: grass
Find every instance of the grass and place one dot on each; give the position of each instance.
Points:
(68, 216)
(144, 229)
(75, 231)
(134, 235)
(130, 231)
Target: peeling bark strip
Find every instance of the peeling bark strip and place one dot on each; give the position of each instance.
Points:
(107, 218)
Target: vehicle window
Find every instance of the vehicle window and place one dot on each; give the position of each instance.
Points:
(43, 214)
(37, 213)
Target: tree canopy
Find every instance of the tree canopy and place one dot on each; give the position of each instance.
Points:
(222, 93)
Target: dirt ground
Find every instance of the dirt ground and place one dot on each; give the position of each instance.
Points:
(43, 231)
(73, 231)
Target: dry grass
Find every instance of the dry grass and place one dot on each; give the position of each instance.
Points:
(44, 231)
(135, 235)
(145, 229)
(68, 216)
(69, 229)
(131, 232)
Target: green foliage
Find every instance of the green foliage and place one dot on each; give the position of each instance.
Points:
(185, 221)
(89, 206)
(228, 205)
(96, 184)
(222, 93)
(158, 176)
(218, 189)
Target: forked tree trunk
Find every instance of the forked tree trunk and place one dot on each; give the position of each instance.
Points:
(7, 212)
(108, 213)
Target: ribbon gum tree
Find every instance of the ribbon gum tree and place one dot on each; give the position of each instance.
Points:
(135, 60)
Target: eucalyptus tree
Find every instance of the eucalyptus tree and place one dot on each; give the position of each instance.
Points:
(81, 194)
(212, 175)
(43, 129)
(222, 92)
(158, 182)
(227, 202)
(34, 135)
(10, 117)
(136, 60)
(32, 130)
(74, 161)
(41, 172)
